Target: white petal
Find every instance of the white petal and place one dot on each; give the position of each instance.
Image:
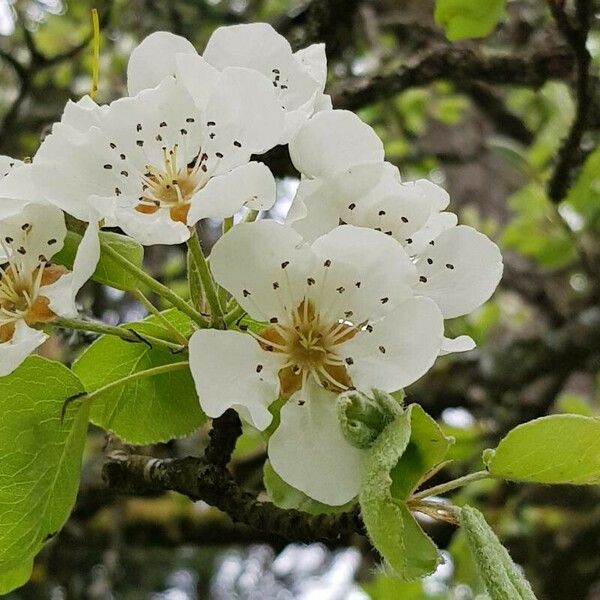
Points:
(6, 164)
(436, 224)
(251, 185)
(17, 189)
(263, 265)
(308, 449)
(61, 293)
(154, 59)
(37, 230)
(314, 62)
(231, 370)
(395, 351)
(460, 271)
(197, 76)
(334, 140)
(247, 117)
(259, 47)
(79, 116)
(462, 343)
(150, 229)
(369, 195)
(24, 341)
(380, 275)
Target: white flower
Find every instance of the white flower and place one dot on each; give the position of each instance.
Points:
(458, 267)
(33, 291)
(297, 79)
(337, 314)
(158, 162)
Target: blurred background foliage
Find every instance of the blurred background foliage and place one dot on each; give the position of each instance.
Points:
(493, 147)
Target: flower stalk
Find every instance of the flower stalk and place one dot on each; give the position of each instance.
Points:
(208, 284)
(161, 289)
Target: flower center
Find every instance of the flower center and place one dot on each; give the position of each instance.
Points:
(310, 345)
(20, 297)
(170, 186)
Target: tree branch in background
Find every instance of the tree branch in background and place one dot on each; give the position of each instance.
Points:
(570, 154)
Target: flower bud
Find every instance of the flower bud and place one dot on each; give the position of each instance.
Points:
(363, 417)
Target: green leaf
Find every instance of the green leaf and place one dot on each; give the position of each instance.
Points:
(555, 449)
(41, 460)
(427, 448)
(147, 410)
(502, 578)
(584, 195)
(282, 494)
(107, 272)
(464, 19)
(15, 577)
(535, 231)
(392, 528)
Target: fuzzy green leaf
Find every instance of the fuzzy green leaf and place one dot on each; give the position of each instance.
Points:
(392, 528)
(464, 19)
(41, 460)
(556, 449)
(107, 271)
(502, 578)
(147, 410)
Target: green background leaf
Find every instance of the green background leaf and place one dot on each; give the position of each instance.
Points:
(149, 410)
(107, 272)
(468, 18)
(41, 459)
(554, 449)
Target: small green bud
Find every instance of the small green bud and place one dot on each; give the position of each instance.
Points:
(363, 418)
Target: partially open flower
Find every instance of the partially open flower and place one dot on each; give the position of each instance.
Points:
(457, 266)
(338, 314)
(160, 161)
(297, 79)
(33, 291)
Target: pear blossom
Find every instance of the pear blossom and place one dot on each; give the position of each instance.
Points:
(458, 267)
(337, 314)
(297, 78)
(156, 163)
(33, 291)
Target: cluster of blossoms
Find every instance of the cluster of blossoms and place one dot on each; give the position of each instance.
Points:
(350, 293)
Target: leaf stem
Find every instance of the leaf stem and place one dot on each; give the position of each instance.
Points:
(208, 285)
(141, 297)
(152, 372)
(450, 485)
(156, 286)
(129, 335)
